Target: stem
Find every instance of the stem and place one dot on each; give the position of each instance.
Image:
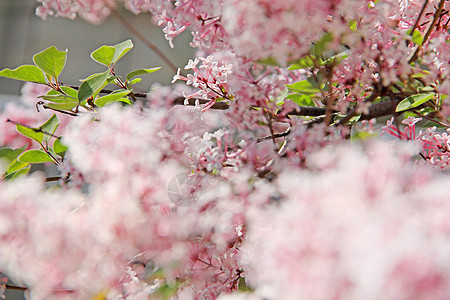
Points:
(121, 84)
(143, 39)
(49, 154)
(269, 124)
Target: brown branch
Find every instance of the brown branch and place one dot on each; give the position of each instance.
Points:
(23, 288)
(380, 110)
(51, 179)
(217, 105)
(354, 111)
(308, 111)
(429, 31)
(375, 110)
(418, 19)
(274, 136)
(143, 39)
(15, 287)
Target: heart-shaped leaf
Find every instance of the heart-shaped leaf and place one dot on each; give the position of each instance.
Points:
(51, 61)
(25, 73)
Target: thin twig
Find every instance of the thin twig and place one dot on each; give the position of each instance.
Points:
(51, 179)
(34, 129)
(429, 31)
(431, 119)
(143, 39)
(274, 136)
(418, 19)
(15, 287)
(55, 109)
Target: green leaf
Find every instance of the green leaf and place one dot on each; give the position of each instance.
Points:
(92, 85)
(362, 136)
(59, 98)
(134, 81)
(141, 72)
(419, 73)
(303, 87)
(353, 24)
(321, 46)
(268, 61)
(110, 98)
(59, 147)
(25, 73)
(336, 59)
(51, 61)
(417, 37)
(104, 55)
(61, 106)
(167, 291)
(354, 119)
(121, 49)
(413, 101)
(425, 89)
(32, 133)
(21, 171)
(242, 285)
(305, 62)
(35, 157)
(301, 100)
(15, 166)
(49, 128)
(67, 91)
(8, 154)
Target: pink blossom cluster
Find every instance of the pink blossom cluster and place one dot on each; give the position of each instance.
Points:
(359, 225)
(435, 145)
(211, 81)
(126, 175)
(185, 201)
(374, 34)
(204, 17)
(94, 11)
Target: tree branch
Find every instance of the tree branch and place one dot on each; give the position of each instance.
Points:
(375, 110)
(143, 39)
